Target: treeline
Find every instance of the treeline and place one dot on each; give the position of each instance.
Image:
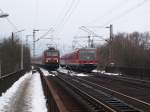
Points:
(127, 49)
(10, 55)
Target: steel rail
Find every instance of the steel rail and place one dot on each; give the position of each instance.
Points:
(142, 83)
(54, 102)
(105, 107)
(7, 75)
(75, 96)
(118, 93)
(7, 80)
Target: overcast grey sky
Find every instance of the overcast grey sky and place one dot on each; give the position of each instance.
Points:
(125, 15)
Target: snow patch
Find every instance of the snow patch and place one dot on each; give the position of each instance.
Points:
(72, 73)
(81, 74)
(63, 70)
(25, 95)
(8, 97)
(105, 73)
(38, 98)
(46, 73)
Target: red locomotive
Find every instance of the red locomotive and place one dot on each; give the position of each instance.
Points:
(84, 59)
(50, 58)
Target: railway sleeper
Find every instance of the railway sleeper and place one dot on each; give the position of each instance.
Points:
(99, 95)
(110, 100)
(92, 106)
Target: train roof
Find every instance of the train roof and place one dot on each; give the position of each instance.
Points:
(87, 48)
(76, 50)
(84, 49)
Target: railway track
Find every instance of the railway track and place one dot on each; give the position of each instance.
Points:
(125, 97)
(96, 99)
(128, 88)
(87, 95)
(89, 103)
(139, 82)
(71, 104)
(7, 80)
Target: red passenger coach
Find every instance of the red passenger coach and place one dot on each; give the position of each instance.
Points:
(50, 58)
(84, 59)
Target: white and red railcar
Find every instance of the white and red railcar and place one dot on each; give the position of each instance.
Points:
(84, 59)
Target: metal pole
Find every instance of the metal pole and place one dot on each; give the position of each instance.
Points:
(21, 53)
(26, 40)
(34, 31)
(27, 37)
(33, 43)
(0, 64)
(21, 63)
(110, 43)
(0, 69)
(89, 41)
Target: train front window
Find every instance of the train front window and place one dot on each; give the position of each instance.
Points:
(88, 55)
(52, 53)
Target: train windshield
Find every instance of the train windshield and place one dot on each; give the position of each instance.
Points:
(52, 53)
(88, 55)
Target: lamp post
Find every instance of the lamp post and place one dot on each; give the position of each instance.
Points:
(110, 42)
(34, 31)
(0, 66)
(27, 39)
(2, 15)
(34, 37)
(21, 63)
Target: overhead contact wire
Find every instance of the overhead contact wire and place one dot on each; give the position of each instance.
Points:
(9, 21)
(126, 12)
(69, 15)
(110, 11)
(58, 25)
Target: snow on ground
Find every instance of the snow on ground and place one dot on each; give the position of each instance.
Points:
(82, 74)
(79, 74)
(105, 73)
(38, 98)
(63, 70)
(25, 95)
(72, 73)
(45, 72)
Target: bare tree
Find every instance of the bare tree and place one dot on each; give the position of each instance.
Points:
(10, 54)
(130, 50)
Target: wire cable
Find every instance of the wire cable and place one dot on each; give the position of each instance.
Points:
(126, 12)
(57, 25)
(1, 10)
(110, 11)
(69, 15)
(36, 14)
(9, 21)
(45, 34)
(66, 16)
(66, 13)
